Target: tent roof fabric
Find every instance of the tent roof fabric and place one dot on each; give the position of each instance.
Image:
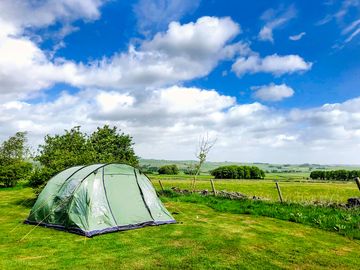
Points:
(99, 198)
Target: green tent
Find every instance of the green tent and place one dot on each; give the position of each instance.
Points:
(99, 198)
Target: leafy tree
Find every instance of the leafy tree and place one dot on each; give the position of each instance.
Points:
(13, 166)
(340, 175)
(111, 146)
(12, 173)
(14, 149)
(168, 169)
(238, 172)
(39, 178)
(62, 151)
(59, 152)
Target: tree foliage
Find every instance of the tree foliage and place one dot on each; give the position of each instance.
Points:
(339, 175)
(148, 169)
(62, 151)
(39, 178)
(14, 149)
(110, 146)
(238, 172)
(105, 145)
(13, 164)
(168, 169)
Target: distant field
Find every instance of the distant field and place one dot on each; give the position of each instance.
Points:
(292, 191)
(303, 169)
(269, 176)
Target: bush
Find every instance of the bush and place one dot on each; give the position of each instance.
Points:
(40, 176)
(238, 172)
(12, 173)
(191, 169)
(149, 169)
(168, 169)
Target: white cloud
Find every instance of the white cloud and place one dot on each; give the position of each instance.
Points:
(351, 30)
(135, 90)
(348, 10)
(351, 27)
(346, 6)
(163, 122)
(24, 67)
(183, 52)
(354, 34)
(275, 19)
(273, 92)
(26, 13)
(109, 101)
(180, 100)
(164, 106)
(275, 64)
(297, 37)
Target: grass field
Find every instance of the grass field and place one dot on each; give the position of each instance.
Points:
(202, 239)
(291, 191)
(345, 221)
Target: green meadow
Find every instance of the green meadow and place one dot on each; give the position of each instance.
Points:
(204, 237)
(306, 191)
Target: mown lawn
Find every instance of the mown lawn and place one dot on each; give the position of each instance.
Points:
(291, 191)
(202, 239)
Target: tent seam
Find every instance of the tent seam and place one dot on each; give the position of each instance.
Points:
(107, 200)
(142, 195)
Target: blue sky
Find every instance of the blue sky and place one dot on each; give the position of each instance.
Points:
(333, 78)
(274, 81)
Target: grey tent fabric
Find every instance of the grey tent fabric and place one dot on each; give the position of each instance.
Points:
(99, 198)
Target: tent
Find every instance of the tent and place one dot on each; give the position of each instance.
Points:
(99, 198)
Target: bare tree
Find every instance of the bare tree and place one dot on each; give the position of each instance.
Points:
(204, 147)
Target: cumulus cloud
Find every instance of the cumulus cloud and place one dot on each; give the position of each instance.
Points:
(24, 67)
(273, 92)
(297, 37)
(163, 107)
(164, 121)
(275, 19)
(139, 90)
(26, 13)
(183, 52)
(275, 64)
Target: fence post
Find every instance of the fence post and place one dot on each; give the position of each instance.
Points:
(357, 180)
(161, 185)
(213, 187)
(279, 192)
